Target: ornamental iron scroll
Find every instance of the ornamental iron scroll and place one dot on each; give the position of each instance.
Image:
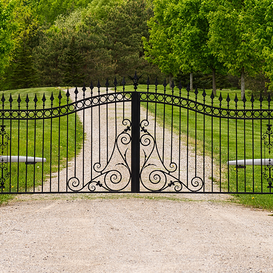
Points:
(115, 176)
(4, 139)
(268, 144)
(155, 176)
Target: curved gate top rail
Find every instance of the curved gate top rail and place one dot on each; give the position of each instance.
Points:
(19, 109)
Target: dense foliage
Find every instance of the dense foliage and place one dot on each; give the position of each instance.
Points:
(203, 35)
(6, 28)
(68, 42)
(96, 40)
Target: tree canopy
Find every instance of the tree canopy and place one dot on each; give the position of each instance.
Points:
(53, 42)
(208, 35)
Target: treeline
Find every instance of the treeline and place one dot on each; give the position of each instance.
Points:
(214, 36)
(75, 42)
(221, 43)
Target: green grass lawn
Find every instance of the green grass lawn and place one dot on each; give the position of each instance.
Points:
(45, 138)
(223, 139)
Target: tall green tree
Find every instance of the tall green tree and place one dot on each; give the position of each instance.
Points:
(190, 29)
(232, 37)
(263, 16)
(20, 73)
(71, 53)
(124, 27)
(179, 38)
(158, 46)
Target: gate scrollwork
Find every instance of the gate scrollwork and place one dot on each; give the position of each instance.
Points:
(155, 176)
(116, 174)
(4, 138)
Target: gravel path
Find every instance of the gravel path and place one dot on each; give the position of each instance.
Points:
(133, 233)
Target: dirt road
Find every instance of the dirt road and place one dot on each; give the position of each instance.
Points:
(134, 235)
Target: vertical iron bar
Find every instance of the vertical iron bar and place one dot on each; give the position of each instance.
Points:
(261, 145)
(83, 131)
(204, 142)
(228, 175)
(99, 123)
(236, 141)
(116, 129)
(59, 142)
(43, 142)
(135, 150)
(156, 83)
(188, 104)
(147, 94)
(123, 103)
(172, 123)
(164, 117)
(18, 145)
(244, 105)
(2, 147)
(212, 151)
(67, 137)
(27, 101)
(107, 129)
(35, 132)
(269, 143)
(253, 173)
(220, 144)
(75, 136)
(179, 138)
(51, 140)
(195, 134)
(91, 138)
(10, 145)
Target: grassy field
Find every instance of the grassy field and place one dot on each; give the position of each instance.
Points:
(40, 138)
(223, 139)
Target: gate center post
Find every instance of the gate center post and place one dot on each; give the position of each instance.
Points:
(135, 150)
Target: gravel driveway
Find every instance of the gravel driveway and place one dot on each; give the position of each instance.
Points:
(133, 234)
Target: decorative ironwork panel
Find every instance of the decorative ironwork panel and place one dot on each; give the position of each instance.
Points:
(5, 174)
(155, 176)
(268, 145)
(115, 176)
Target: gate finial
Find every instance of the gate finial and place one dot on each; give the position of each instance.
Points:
(135, 79)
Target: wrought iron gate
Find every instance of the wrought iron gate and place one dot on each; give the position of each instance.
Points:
(113, 140)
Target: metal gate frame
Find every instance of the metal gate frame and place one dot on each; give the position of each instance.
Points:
(200, 110)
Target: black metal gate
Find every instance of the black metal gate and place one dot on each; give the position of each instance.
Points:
(113, 140)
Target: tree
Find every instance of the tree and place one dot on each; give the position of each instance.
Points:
(158, 46)
(263, 16)
(232, 37)
(124, 28)
(6, 28)
(19, 73)
(70, 53)
(190, 29)
(179, 39)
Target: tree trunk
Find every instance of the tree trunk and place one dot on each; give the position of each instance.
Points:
(191, 81)
(213, 82)
(243, 83)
